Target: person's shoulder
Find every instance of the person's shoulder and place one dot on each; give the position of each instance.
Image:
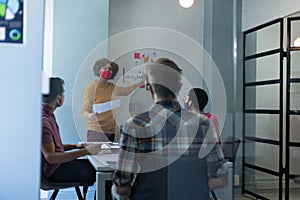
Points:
(188, 115)
(141, 118)
(111, 84)
(211, 117)
(195, 118)
(134, 124)
(46, 121)
(91, 85)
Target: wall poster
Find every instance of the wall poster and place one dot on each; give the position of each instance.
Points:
(12, 21)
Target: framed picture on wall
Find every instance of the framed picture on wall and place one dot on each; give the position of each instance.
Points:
(12, 22)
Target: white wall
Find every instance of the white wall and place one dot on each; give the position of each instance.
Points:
(20, 86)
(257, 12)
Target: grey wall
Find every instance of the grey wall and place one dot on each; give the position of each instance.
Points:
(219, 37)
(78, 27)
(129, 14)
(78, 35)
(268, 10)
(20, 86)
(210, 23)
(207, 22)
(214, 24)
(222, 30)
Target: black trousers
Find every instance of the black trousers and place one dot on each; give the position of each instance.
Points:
(79, 170)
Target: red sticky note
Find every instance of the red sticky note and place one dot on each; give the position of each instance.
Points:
(137, 55)
(143, 85)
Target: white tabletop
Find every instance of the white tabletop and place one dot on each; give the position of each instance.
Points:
(99, 161)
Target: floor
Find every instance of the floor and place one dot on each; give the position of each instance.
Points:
(70, 194)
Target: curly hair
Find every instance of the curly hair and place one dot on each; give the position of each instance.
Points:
(102, 63)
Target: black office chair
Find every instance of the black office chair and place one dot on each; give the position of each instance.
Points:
(229, 147)
(47, 185)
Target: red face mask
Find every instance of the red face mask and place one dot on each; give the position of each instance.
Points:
(106, 74)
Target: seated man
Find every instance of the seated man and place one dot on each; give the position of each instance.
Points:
(166, 152)
(58, 163)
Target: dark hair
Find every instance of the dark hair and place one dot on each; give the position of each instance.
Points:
(161, 90)
(115, 69)
(198, 97)
(102, 63)
(56, 88)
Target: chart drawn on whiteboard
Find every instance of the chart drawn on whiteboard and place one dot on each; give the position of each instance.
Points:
(134, 73)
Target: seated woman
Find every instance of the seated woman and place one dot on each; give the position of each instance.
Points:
(196, 101)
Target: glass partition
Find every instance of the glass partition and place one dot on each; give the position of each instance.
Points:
(265, 126)
(255, 69)
(256, 41)
(265, 97)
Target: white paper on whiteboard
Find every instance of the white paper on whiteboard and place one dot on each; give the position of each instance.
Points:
(103, 107)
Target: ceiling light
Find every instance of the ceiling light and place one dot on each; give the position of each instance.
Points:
(186, 3)
(297, 42)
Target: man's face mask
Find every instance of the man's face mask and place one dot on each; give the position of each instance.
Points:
(60, 101)
(106, 74)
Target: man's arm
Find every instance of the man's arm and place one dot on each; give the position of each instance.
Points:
(215, 160)
(48, 150)
(215, 183)
(88, 101)
(123, 191)
(123, 176)
(124, 91)
(68, 147)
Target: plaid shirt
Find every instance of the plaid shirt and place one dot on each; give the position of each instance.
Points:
(166, 130)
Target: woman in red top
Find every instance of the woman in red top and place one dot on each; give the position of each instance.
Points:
(196, 101)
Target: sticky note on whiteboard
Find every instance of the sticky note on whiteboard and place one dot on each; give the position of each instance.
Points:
(137, 55)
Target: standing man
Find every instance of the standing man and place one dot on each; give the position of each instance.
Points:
(166, 152)
(58, 163)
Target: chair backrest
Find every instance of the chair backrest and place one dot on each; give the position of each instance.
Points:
(230, 147)
(185, 178)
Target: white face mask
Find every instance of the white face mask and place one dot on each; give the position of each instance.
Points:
(60, 101)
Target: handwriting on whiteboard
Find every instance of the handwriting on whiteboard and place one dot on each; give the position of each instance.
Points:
(138, 75)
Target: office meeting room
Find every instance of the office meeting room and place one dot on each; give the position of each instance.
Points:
(150, 99)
